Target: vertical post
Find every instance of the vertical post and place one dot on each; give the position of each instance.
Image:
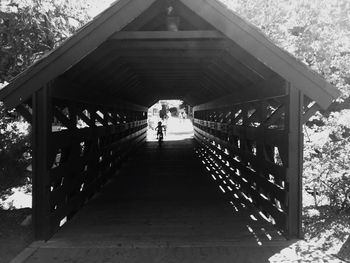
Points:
(295, 160)
(41, 129)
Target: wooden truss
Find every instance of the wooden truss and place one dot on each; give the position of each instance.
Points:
(76, 148)
(256, 147)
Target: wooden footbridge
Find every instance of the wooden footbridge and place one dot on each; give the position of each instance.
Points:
(101, 193)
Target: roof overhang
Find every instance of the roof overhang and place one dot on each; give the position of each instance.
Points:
(116, 56)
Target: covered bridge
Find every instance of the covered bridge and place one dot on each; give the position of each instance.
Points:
(87, 102)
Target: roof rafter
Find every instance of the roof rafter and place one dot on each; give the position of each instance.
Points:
(249, 38)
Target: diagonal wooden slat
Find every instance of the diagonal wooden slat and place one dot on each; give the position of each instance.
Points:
(274, 116)
(310, 112)
(27, 115)
(62, 118)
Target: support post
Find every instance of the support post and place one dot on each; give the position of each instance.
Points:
(41, 129)
(294, 120)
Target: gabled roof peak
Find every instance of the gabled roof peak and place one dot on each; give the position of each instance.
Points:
(255, 53)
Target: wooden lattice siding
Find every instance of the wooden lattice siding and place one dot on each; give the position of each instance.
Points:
(80, 148)
(248, 142)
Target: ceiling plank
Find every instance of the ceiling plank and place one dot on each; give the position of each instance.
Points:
(227, 79)
(174, 44)
(250, 39)
(269, 88)
(118, 81)
(103, 74)
(208, 85)
(214, 82)
(196, 21)
(154, 10)
(168, 60)
(229, 71)
(249, 61)
(167, 35)
(65, 56)
(115, 58)
(66, 89)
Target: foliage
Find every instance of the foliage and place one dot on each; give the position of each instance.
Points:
(30, 28)
(327, 160)
(326, 233)
(317, 33)
(174, 111)
(14, 150)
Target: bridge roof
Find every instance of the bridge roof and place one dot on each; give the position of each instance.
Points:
(128, 53)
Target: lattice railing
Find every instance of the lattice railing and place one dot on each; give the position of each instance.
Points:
(86, 144)
(248, 144)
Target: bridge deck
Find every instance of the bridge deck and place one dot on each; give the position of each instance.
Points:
(163, 207)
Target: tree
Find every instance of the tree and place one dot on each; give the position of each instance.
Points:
(317, 33)
(31, 28)
(326, 162)
(14, 150)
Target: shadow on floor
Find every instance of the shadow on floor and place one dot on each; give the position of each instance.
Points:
(164, 207)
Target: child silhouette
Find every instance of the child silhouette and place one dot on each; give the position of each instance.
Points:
(159, 130)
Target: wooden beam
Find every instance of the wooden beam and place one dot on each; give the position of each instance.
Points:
(191, 17)
(62, 118)
(114, 76)
(93, 59)
(275, 116)
(267, 89)
(119, 59)
(21, 109)
(127, 87)
(155, 10)
(249, 38)
(175, 60)
(227, 60)
(166, 52)
(105, 74)
(166, 68)
(41, 130)
(294, 118)
(230, 80)
(66, 89)
(173, 44)
(205, 86)
(254, 65)
(167, 35)
(73, 50)
(215, 83)
(233, 73)
(310, 112)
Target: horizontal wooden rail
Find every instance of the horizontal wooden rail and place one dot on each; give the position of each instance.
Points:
(248, 144)
(166, 35)
(84, 144)
(247, 179)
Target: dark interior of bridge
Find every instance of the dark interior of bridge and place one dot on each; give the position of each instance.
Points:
(87, 102)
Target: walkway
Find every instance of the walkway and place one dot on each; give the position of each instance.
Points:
(163, 207)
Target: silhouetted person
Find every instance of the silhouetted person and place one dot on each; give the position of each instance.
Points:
(160, 129)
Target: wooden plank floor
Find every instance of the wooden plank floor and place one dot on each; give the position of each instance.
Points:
(162, 207)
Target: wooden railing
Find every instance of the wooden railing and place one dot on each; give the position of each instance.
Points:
(77, 148)
(248, 144)
(87, 153)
